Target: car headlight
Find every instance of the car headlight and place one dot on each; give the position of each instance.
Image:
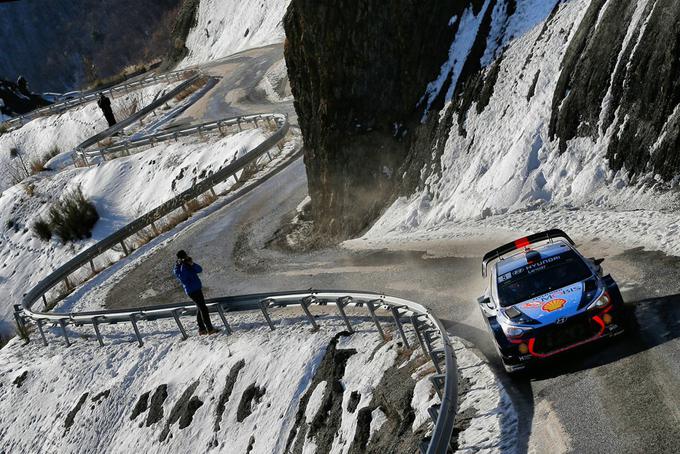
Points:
(603, 301)
(513, 331)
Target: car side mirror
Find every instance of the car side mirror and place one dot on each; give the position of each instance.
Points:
(598, 264)
(485, 301)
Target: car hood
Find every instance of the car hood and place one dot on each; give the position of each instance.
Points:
(547, 308)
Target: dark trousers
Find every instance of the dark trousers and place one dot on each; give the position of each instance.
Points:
(202, 315)
(110, 119)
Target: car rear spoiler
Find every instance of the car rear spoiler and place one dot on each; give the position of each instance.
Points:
(496, 254)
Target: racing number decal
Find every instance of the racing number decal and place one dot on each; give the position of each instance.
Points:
(554, 305)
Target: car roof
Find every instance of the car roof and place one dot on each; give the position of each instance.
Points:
(520, 259)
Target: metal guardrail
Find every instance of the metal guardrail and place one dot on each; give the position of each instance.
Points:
(428, 329)
(134, 117)
(85, 97)
(177, 133)
(149, 219)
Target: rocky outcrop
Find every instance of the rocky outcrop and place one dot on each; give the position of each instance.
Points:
(358, 71)
(629, 51)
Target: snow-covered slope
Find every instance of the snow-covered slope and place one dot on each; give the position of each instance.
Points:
(206, 394)
(501, 155)
(121, 190)
(227, 27)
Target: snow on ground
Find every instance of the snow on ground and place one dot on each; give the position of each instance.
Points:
(226, 27)
(64, 131)
(506, 172)
(121, 189)
(492, 425)
(47, 384)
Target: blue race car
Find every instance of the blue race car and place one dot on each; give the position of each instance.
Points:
(544, 298)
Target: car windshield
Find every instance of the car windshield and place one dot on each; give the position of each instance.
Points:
(541, 277)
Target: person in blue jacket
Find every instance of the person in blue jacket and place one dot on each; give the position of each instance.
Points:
(187, 272)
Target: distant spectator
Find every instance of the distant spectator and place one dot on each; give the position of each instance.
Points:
(104, 104)
(187, 272)
(22, 84)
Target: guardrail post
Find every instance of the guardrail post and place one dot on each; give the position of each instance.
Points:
(436, 355)
(219, 128)
(185, 209)
(94, 271)
(125, 249)
(212, 191)
(416, 326)
(397, 315)
(305, 303)
(175, 315)
(371, 310)
(21, 326)
(340, 305)
(433, 411)
(133, 319)
(438, 381)
(154, 228)
(238, 123)
(39, 324)
(95, 325)
(62, 323)
(264, 304)
(227, 328)
(67, 283)
(44, 298)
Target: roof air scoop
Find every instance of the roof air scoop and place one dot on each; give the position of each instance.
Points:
(533, 256)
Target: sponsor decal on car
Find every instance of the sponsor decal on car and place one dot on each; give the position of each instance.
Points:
(554, 305)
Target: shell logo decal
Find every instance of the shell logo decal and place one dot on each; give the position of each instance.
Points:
(554, 305)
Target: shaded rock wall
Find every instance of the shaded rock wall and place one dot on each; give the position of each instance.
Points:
(358, 70)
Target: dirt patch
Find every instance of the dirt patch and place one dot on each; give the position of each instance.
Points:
(20, 379)
(156, 407)
(184, 407)
(141, 406)
(251, 397)
(354, 399)
(187, 416)
(101, 395)
(325, 423)
(71, 417)
(226, 392)
(393, 397)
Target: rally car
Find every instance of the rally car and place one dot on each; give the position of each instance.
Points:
(544, 298)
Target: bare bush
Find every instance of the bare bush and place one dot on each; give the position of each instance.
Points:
(42, 229)
(73, 217)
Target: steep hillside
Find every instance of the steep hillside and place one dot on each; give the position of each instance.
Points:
(537, 104)
(63, 44)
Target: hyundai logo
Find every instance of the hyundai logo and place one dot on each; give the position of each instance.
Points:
(561, 320)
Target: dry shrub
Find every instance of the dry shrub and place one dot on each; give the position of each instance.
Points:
(73, 217)
(191, 89)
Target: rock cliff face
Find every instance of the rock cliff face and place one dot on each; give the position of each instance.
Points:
(522, 103)
(358, 71)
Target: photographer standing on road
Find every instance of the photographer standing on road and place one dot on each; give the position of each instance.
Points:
(187, 273)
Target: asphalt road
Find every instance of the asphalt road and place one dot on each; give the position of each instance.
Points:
(618, 396)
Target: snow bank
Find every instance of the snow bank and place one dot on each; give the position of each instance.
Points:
(227, 27)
